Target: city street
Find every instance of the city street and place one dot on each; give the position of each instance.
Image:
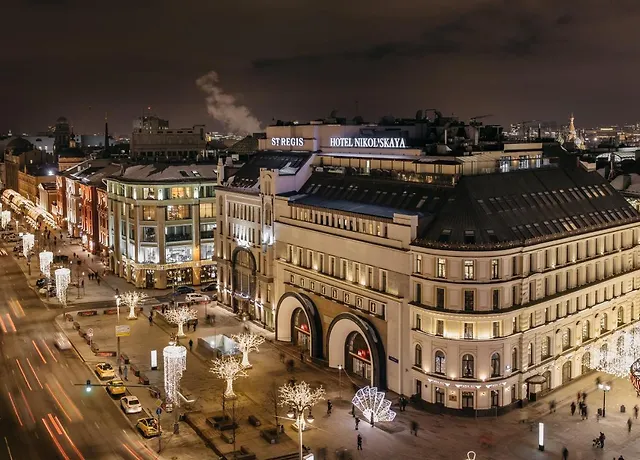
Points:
(45, 410)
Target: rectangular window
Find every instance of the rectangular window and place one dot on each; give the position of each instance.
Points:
(332, 266)
(495, 299)
(180, 192)
(178, 212)
(321, 263)
(207, 230)
(178, 233)
(441, 268)
(440, 298)
(418, 293)
(356, 273)
(467, 396)
(418, 322)
(383, 280)
(148, 213)
(372, 307)
(469, 270)
(495, 329)
(440, 327)
(206, 251)
(370, 277)
(178, 254)
(148, 193)
(207, 210)
(418, 264)
(469, 304)
(289, 253)
(468, 330)
(495, 269)
(343, 273)
(149, 234)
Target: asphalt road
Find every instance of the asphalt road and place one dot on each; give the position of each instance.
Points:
(45, 410)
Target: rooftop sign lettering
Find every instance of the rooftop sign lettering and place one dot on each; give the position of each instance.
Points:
(369, 142)
(287, 141)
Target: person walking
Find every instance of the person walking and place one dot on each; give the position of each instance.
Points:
(359, 441)
(573, 408)
(414, 427)
(329, 406)
(602, 437)
(565, 453)
(635, 412)
(629, 423)
(151, 319)
(126, 372)
(190, 344)
(195, 324)
(357, 422)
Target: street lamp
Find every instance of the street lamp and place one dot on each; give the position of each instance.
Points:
(340, 381)
(605, 387)
(300, 398)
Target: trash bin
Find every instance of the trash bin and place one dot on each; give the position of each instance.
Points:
(623, 409)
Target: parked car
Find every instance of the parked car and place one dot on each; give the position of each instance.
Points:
(195, 297)
(210, 287)
(148, 426)
(116, 387)
(41, 282)
(61, 341)
(184, 290)
(105, 371)
(130, 404)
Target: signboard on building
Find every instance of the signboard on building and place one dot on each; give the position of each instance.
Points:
(123, 331)
(287, 141)
(368, 142)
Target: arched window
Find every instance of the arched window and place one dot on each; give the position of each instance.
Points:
(530, 354)
(468, 366)
(514, 359)
(586, 363)
(603, 323)
(418, 356)
(547, 381)
(620, 316)
(586, 331)
(440, 364)
(604, 355)
(545, 348)
(566, 339)
(495, 365)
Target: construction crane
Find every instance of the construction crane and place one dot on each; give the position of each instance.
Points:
(523, 124)
(474, 120)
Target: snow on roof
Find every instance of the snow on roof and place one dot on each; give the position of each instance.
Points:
(167, 173)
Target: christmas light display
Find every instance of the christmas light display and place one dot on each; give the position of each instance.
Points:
(28, 241)
(180, 316)
(229, 369)
(46, 257)
(618, 361)
(132, 299)
(247, 342)
(63, 277)
(5, 218)
(373, 404)
(175, 363)
(300, 397)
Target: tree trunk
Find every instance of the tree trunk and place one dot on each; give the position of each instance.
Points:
(245, 359)
(181, 329)
(229, 392)
(132, 311)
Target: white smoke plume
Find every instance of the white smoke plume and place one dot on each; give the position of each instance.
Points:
(222, 107)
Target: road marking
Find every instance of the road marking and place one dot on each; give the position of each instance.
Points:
(55, 425)
(23, 374)
(131, 452)
(38, 350)
(28, 407)
(9, 450)
(64, 454)
(73, 446)
(57, 401)
(34, 373)
(2, 325)
(15, 409)
(13, 326)
(51, 352)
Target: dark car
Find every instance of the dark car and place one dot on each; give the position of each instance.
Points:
(41, 282)
(184, 290)
(210, 287)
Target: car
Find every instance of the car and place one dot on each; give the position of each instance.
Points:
(130, 405)
(41, 282)
(210, 287)
(116, 387)
(195, 297)
(105, 371)
(61, 341)
(148, 426)
(183, 290)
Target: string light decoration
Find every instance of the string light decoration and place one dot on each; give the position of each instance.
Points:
(63, 277)
(618, 361)
(132, 299)
(175, 363)
(180, 316)
(373, 404)
(5, 218)
(28, 241)
(228, 369)
(635, 375)
(247, 342)
(46, 258)
(300, 397)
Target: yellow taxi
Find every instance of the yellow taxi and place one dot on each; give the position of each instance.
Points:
(116, 387)
(148, 427)
(105, 371)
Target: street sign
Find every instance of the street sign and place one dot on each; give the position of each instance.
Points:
(90, 332)
(159, 411)
(123, 331)
(159, 403)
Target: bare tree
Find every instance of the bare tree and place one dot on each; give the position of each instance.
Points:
(247, 342)
(132, 299)
(229, 369)
(273, 397)
(180, 316)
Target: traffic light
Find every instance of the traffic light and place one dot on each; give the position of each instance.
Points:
(88, 387)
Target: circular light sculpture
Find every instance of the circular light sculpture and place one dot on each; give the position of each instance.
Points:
(175, 363)
(28, 241)
(373, 405)
(63, 277)
(46, 257)
(5, 218)
(635, 375)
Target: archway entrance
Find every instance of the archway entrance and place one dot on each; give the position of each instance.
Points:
(298, 322)
(355, 344)
(243, 283)
(301, 332)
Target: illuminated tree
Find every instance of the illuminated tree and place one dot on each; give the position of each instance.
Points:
(132, 299)
(300, 397)
(180, 316)
(229, 369)
(247, 342)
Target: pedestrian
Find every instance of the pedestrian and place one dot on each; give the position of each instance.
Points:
(329, 406)
(552, 406)
(98, 279)
(578, 397)
(405, 401)
(357, 422)
(414, 427)
(573, 408)
(602, 437)
(359, 441)
(621, 457)
(195, 324)
(126, 372)
(635, 412)
(629, 423)
(190, 344)
(82, 284)
(586, 413)
(151, 319)
(565, 453)
(584, 397)
(302, 356)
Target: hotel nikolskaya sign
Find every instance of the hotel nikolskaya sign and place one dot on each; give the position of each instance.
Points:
(369, 142)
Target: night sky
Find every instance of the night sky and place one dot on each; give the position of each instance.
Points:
(299, 59)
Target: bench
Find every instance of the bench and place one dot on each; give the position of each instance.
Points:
(253, 420)
(228, 425)
(125, 358)
(144, 380)
(245, 454)
(94, 347)
(68, 317)
(82, 333)
(228, 438)
(110, 311)
(134, 369)
(76, 325)
(216, 420)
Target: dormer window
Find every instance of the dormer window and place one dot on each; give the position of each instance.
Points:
(469, 237)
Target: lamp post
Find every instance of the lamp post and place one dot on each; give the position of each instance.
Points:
(340, 381)
(605, 387)
(300, 398)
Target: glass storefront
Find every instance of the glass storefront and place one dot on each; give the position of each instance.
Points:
(206, 251)
(208, 273)
(149, 255)
(179, 277)
(178, 254)
(358, 356)
(301, 332)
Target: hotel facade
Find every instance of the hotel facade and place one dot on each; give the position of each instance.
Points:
(471, 281)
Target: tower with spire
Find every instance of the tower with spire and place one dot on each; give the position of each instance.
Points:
(106, 132)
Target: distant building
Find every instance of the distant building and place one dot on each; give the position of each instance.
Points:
(168, 145)
(48, 196)
(150, 124)
(30, 178)
(20, 153)
(62, 134)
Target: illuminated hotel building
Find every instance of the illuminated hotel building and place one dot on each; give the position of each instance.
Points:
(162, 220)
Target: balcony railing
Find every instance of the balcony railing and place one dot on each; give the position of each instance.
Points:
(178, 237)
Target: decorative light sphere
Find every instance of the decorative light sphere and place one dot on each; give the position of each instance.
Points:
(27, 243)
(63, 277)
(46, 258)
(175, 363)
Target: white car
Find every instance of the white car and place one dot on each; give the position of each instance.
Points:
(61, 341)
(196, 297)
(130, 404)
